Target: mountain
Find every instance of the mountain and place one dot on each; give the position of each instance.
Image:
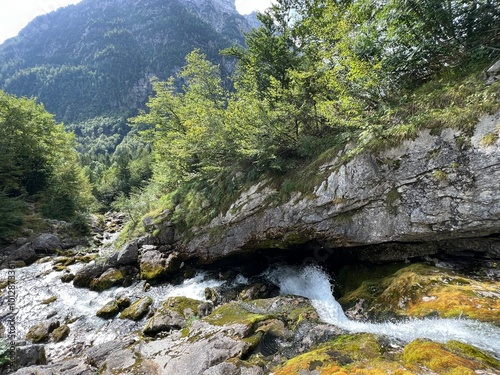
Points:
(96, 58)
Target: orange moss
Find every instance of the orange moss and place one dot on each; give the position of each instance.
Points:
(314, 360)
(418, 290)
(435, 357)
(454, 301)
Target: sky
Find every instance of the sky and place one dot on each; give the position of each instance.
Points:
(15, 14)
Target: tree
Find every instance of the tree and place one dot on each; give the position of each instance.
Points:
(38, 162)
(187, 127)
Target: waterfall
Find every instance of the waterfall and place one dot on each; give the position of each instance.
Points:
(313, 283)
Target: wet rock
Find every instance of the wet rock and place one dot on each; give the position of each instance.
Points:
(60, 333)
(49, 300)
(30, 355)
(155, 265)
(109, 310)
(110, 278)
(128, 254)
(67, 277)
(47, 243)
(64, 261)
(138, 309)
(40, 332)
(85, 275)
(259, 291)
(417, 290)
(171, 315)
(123, 302)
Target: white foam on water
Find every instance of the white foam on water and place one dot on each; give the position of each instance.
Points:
(191, 288)
(313, 283)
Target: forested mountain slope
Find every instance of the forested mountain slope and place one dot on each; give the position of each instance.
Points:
(96, 58)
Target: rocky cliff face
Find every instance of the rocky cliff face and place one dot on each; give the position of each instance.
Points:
(439, 189)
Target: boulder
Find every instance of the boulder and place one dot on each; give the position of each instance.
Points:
(87, 274)
(172, 315)
(25, 253)
(60, 333)
(156, 265)
(40, 332)
(128, 255)
(138, 309)
(109, 310)
(110, 278)
(30, 355)
(164, 321)
(47, 243)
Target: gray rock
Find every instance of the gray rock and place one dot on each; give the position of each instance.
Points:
(493, 73)
(252, 371)
(164, 321)
(110, 353)
(154, 264)
(85, 275)
(128, 255)
(199, 356)
(26, 253)
(138, 309)
(47, 243)
(68, 367)
(166, 234)
(223, 369)
(30, 355)
(426, 190)
(148, 223)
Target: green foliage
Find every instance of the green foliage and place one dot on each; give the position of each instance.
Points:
(38, 164)
(11, 214)
(100, 59)
(314, 77)
(4, 353)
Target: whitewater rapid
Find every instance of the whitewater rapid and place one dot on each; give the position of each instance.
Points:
(313, 283)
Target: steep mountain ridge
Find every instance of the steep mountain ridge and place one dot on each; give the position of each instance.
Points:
(96, 58)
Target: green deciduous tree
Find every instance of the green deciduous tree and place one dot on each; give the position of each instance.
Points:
(38, 162)
(187, 127)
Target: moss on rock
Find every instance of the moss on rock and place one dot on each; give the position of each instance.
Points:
(138, 309)
(109, 310)
(60, 333)
(422, 355)
(366, 354)
(419, 290)
(235, 313)
(110, 278)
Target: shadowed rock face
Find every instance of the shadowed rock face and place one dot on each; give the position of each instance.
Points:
(429, 190)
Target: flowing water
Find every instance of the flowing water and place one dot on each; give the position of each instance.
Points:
(313, 283)
(38, 282)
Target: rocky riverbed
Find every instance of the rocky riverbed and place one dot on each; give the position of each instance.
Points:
(96, 311)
